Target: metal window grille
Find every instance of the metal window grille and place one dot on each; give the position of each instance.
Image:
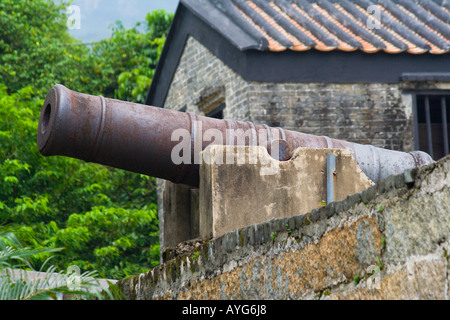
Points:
(431, 122)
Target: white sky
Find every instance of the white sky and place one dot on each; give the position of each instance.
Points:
(97, 15)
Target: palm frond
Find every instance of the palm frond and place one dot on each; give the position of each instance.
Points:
(10, 256)
(50, 285)
(19, 284)
(8, 234)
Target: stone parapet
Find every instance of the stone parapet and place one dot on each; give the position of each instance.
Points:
(388, 242)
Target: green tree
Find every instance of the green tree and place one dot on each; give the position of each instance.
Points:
(35, 48)
(128, 59)
(104, 218)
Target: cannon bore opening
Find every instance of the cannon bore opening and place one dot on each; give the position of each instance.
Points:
(46, 118)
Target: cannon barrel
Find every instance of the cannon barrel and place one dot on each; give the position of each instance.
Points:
(140, 138)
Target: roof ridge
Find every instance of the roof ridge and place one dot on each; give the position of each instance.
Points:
(229, 10)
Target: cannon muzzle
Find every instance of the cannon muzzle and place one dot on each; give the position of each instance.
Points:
(144, 139)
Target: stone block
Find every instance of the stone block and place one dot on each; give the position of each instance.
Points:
(177, 219)
(410, 175)
(234, 196)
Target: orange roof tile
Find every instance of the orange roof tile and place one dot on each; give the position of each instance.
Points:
(393, 26)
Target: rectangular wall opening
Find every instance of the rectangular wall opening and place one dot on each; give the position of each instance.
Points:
(431, 124)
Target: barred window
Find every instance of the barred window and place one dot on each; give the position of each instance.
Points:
(431, 123)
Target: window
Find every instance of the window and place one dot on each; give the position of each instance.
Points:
(431, 123)
(217, 113)
(211, 102)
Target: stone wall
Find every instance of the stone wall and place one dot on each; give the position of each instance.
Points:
(377, 114)
(390, 241)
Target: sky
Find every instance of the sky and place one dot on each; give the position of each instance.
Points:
(96, 16)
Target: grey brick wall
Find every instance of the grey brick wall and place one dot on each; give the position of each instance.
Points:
(376, 113)
(200, 75)
(363, 113)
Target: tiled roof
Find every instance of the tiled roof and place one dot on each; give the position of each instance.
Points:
(393, 26)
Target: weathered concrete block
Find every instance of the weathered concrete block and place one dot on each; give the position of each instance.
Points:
(233, 196)
(176, 202)
(410, 175)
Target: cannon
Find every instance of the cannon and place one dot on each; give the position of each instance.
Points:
(144, 139)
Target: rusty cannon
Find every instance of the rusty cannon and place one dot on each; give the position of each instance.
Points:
(146, 139)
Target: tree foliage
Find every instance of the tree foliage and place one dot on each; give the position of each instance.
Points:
(35, 48)
(104, 218)
(128, 59)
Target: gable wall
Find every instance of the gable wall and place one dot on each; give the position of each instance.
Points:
(201, 75)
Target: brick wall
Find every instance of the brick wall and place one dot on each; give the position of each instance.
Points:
(362, 113)
(376, 114)
(201, 75)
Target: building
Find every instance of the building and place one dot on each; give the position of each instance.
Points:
(315, 67)
(366, 71)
